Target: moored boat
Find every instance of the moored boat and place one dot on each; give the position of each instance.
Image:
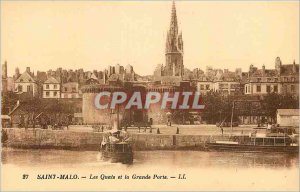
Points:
(274, 142)
(116, 146)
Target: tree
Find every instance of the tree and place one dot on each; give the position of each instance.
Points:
(8, 101)
(273, 101)
(217, 107)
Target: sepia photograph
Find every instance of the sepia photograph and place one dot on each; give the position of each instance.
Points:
(156, 95)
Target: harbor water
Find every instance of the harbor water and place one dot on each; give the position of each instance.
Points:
(203, 170)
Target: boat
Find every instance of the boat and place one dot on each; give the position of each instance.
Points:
(116, 147)
(273, 142)
(275, 139)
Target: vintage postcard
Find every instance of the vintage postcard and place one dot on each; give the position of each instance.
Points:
(149, 95)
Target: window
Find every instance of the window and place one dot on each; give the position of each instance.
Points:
(47, 86)
(47, 94)
(275, 88)
(73, 89)
(201, 87)
(21, 80)
(20, 88)
(207, 87)
(258, 88)
(293, 79)
(246, 89)
(292, 88)
(28, 88)
(55, 86)
(233, 86)
(258, 79)
(66, 89)
(55, 94)
(268, 88)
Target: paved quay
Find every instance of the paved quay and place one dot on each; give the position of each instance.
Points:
(183, 129)
(171, 130)
(190, 137)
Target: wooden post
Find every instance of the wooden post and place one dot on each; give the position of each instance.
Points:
(232, 117)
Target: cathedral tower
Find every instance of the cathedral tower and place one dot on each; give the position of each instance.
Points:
(174, 48)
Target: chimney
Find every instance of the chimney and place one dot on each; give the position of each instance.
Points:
(104, 78)
(251, 69)
(263, 69)
(4, 70)
(278, 64)
(238, 71)
(17, 73)
(294, 67)
(28, 70)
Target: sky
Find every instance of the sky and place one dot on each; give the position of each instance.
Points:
(95, 34)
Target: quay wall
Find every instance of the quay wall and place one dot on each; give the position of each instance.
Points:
(57, 139)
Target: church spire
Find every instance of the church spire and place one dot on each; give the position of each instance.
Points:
(172, 34)
(173, 24)
(174, 48)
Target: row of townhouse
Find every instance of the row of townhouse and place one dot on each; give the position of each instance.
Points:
(225, 83)
(284, 79)
(61, 83)
(50, 88)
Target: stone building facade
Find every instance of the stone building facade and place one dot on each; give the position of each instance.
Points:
(26, 83)
(284, 79)
(216, 80)
(51, 88)
(92, 115)
(155, 114)
(70, 90)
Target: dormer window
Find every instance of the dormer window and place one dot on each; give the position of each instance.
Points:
(21, 80)
(29, 80)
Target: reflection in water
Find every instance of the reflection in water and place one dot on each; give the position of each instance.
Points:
(200, 159)
(182, 159)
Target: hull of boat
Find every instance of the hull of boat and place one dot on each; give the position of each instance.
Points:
(251, 148)
(115, 157)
